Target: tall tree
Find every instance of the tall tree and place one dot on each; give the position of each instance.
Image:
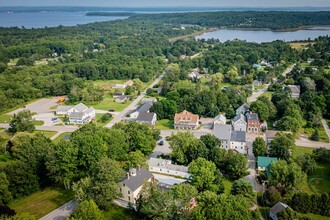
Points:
(242, 187)
(282, 146)
(259, 147)
(88, 210)
(5, 194)
(22, 121)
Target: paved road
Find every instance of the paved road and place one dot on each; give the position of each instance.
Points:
(62, 212)
(132, 106)
(255, 95)
(252, 176)
(326, 127)
(311, 144)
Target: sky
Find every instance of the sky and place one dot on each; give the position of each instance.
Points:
(159, 3)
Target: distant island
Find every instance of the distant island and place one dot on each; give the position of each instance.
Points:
(109, 14)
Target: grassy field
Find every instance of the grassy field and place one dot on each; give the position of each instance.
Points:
(297, 151)
(109, 103)
(47, 134)
(118, 213)
(99, 122)
(309, 131)
(60, 137)
(164, 124)
(300, 45)
(5, 118)
(43, 202)
(268, 95)
(38, 123)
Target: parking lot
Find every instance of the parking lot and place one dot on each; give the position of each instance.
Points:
(41, 106)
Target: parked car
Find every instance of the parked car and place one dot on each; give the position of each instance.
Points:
(161, 142)
(111, 110)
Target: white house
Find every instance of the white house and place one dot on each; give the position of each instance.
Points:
(149, 118)
(279, 207)
(132, 183)
(79, 114)
(235, 140)
(144, 107)
(239, 123)
(220, 119)
(165, 166)
(242, 109)
(295, 91)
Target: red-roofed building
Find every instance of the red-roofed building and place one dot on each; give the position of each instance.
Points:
(186, 120)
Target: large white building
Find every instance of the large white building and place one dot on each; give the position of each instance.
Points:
(132, 183)
(166, 167)
(239, 123)
(79, 114)
(230, 139)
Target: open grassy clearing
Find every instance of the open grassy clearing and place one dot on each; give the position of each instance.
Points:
(118, 213)
(268, 95)
(47, 134)
(298, 151)
(109, 103)
(38, 123)
(164, 124)
(309, 131)
(41, 203)
(300, 45)
(5, 118)
(61, 136)
(13, 62)
(99, 121)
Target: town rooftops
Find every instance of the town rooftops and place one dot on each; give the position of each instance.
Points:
(78, 115)
(238, 117)
(222, 118)
(145, 107)
(238, 136)
(122, 97)
(222, 131)
(252, 116)
(89, 110)
(63, 108)
(150, 100)
(134, 182)
(186, 116)
(155, 162)
(265, 161)
(145, 116)
(81, 107)
(279, 207)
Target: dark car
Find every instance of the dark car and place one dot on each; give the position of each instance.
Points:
(111, 110)
(161, 142)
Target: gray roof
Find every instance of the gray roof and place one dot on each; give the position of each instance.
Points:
(67, 137)
(238, 117)
(279, 207)
(78, 115)
(81, 107)
(134, 182)
(89, 110)
(246, 106)
(145, 116)
(122, 97)
(144, 107)
(294, 88)
(63, 108)
(155, 162)
(152, 100)
(238, 136)
(221, 117)
(223, 132)
(252, 116)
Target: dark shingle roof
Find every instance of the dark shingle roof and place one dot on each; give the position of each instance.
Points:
(252, 116)
(238, 117)
(239, 136)
(134, 182)
(144, 107)
(223, 132)
(279, 207)
(145, 116)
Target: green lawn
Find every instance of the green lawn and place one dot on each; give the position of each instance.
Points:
(118, 213)
(5, 118)
(109, 103)
(297, 151)
(47, 134)
(227, 184)
(38, 123)
(41, 203)
(60, 137)
(268, 95)
(99, 122)
(322, 133)
(164, 124)
(315, 217)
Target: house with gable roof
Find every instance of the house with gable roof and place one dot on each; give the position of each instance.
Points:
(132, 183)
(239, 123)
(78, 114)
(186, 120)
(253, 122)
(279, 207)
(242, 109)
(230, 139)
(220, 119)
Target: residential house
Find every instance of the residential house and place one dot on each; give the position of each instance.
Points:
(149, 118)
(117, 94)
(129, 83)
(150, 100)
(144, 107)
(253, 123)
(239, 123)
(78, 114)
(220, 119)
(256, 66)
(132, 183)
(242, 109)
(119, 86)
(271, 134)
(264, 163)
(257, 83)
(166, 167)
(279, 207)
(235, 140)
(186, 120)
(295, 91)
(121, 99)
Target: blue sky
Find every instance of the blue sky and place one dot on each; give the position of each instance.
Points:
(157, 3)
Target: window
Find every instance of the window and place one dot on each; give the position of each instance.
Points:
(161, 170)
(123, 184)
(129, 198)
(120, 189)
(128, 192)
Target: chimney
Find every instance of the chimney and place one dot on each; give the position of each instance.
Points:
(139, 167)
(127, 175)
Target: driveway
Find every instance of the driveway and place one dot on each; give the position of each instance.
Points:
(253, 175)
(39, 106)
(62, 212)
(255, 95)
(168, 179)
(46, 118)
